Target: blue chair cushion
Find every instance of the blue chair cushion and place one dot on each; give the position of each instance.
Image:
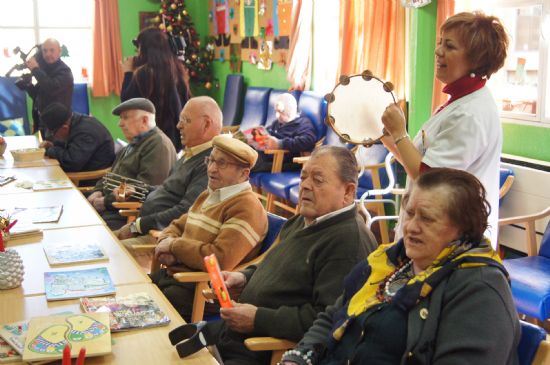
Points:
(530, 278)
(504, 173)
(274, 224)
(255, 107)
(232, 99)
(256, 178)
(294, 193)
(280, 183)
(531, 337)
(80, 99)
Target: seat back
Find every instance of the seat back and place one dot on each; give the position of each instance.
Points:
(332, 139)
(531, 337)
(80, 99)
(255, 107)
(273, 95)
(372, 155)
(314, 107)
(232, 99)
(274, 225)
(13, 102)
(506, 180)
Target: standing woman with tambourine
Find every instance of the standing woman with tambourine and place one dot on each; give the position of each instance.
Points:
(158, 75)
(465, 132)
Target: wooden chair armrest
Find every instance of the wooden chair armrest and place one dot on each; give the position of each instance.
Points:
(76, 177)
(542, 356)
(209, 294)
(129, 212)
(268, 344)
(506, 186)
(127, 205)
(278, 157)
(398, 191)
(192, 277)
(524, 218)
(301, 160)
(85, 189)
(230, 129)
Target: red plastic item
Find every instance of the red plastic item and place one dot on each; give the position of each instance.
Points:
(213, 268)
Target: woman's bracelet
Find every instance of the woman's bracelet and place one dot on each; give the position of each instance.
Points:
(306, 357)
(399, 139)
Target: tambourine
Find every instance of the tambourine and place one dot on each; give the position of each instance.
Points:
(356, 105)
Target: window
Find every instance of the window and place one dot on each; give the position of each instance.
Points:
(521, 85)
(25, 23)
(326, 16)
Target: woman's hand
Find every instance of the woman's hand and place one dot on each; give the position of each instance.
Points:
(234, 282)
(394, 121)
(127, 64)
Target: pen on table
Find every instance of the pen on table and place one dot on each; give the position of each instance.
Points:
(66, 355)
(81, 356)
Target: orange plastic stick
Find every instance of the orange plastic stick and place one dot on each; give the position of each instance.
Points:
(213, 268)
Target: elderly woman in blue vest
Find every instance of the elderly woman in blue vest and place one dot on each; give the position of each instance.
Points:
(438, 296)
(290, 131)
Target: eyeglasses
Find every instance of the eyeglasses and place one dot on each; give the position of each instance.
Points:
(222, 164)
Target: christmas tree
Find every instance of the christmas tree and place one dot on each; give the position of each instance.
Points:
(175, 19)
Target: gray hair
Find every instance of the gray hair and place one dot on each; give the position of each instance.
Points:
(345, 160)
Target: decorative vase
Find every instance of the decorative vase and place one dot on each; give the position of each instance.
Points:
(11, 269)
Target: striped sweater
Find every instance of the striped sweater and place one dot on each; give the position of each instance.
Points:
(231, 229)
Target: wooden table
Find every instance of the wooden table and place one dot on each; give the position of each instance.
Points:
(121, 265)
(145, 346)
(31, 174)
(19, 142)
(77, 212)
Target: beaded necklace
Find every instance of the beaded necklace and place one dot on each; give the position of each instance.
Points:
(395, 281)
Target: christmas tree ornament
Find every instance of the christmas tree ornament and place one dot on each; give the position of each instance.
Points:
(174, 6)
(169, 28)
(208, 85)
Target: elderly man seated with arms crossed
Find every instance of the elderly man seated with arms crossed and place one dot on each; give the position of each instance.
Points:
(289, 131)
(300, 276)
(200, 121)
(79, 142)
(148, 157)
(227, 220)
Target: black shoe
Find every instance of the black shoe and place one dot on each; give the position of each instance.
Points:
(218, 40)
(253, 43)
(226, 39)
(245, 43)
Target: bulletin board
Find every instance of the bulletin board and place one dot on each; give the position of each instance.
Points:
(254, 31)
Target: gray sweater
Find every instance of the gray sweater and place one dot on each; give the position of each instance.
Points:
(178, 192)
(470, 319)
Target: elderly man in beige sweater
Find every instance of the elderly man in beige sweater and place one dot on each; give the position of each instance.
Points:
(227, 219)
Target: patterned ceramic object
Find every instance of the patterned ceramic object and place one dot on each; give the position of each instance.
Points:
(11, 269)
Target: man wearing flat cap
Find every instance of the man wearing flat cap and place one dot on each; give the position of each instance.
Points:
(148, 157)
(227, 220)
(79, 142)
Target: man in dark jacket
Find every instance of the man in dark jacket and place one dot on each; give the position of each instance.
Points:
(54, 80)
(282, 295)
(290, 132)
(79, 142)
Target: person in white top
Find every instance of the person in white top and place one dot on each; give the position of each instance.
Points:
(465, 132)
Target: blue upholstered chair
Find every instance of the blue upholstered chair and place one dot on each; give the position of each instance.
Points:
(13, 102)
(533, 348)
(232, 100)
(506, 181)
(255, 107)
(530, 276)
(80, 99)
(201, 279)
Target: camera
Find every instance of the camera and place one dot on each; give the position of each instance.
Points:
(24, 56)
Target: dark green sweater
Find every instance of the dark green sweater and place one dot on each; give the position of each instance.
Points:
(304, 273)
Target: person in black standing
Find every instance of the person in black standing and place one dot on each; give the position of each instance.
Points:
(158, 75)
(54, 80)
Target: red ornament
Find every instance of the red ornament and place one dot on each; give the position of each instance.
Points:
(193, 74)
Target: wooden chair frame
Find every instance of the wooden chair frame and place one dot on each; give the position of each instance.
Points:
(77, 177)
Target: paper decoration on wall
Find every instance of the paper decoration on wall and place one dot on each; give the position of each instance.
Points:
(266, 49)
(269, 28)
(261, 12)
(221, 22)
(252, 58)
(235, 58)
(248, 18)
(282, 13)
(222, 55)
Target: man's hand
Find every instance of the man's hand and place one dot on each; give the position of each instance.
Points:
(240, 318)
(271, 143)
(164, 246)
(99, 204)
(31, 63)
(45, 144)
(234, 282)
(168, 260)
(94, 196)
(124, 232)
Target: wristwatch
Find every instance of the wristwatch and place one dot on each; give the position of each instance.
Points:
(133, 228)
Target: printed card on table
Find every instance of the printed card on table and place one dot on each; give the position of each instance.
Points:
(78, 252)
(61, 285)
